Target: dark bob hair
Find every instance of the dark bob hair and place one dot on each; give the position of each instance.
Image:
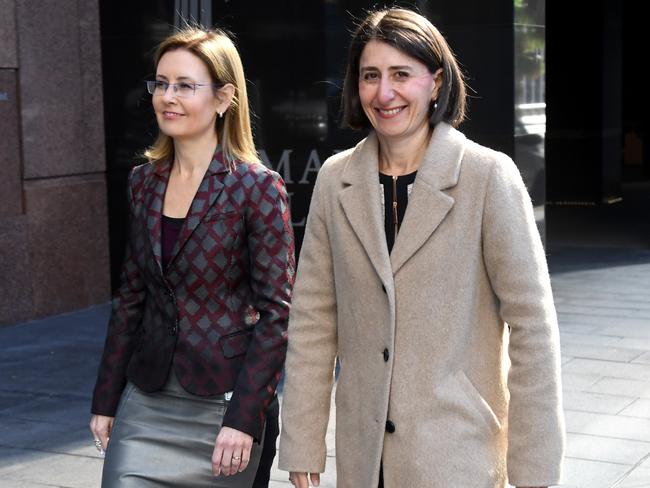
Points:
(412, 34)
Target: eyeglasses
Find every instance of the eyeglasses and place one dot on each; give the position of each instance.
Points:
(182, 89)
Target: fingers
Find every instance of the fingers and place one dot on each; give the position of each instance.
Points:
(300, 480)
(232, 452)
(315, 479)
(101, 426)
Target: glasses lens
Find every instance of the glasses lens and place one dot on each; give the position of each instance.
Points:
(185, 89)
(156, 87)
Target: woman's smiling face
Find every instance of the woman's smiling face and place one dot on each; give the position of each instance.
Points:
(185, 117)
(395, 90)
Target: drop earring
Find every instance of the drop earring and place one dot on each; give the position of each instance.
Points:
(435, 105)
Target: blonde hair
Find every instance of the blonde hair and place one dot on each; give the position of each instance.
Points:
(220, 56)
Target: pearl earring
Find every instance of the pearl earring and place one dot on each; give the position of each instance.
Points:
(220, 114)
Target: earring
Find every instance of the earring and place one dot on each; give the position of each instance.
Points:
(435, 105)
(220, 115)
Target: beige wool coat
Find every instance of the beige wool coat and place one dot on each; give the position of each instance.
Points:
(421, 333)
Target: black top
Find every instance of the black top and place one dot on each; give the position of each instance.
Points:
(171, 227)
(396, 191)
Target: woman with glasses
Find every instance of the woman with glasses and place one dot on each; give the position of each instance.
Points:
(197, 335)
(423, 273)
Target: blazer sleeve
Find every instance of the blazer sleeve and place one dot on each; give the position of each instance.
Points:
(124, 323)
(517, 268)
(272, 267)
(309, 372)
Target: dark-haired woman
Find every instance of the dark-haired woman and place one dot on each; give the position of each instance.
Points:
(423, 272)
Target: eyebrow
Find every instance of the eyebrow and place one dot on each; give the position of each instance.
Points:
(390, 68)
(180, 78)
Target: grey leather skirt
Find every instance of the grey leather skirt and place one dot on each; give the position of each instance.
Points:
(166, 439)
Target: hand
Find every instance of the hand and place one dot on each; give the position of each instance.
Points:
(299, 480)
(101, 427)
(232, 452)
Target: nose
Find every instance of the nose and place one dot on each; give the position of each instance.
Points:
(386, 93)
(169, 95)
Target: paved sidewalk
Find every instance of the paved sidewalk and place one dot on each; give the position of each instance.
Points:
(47, 370)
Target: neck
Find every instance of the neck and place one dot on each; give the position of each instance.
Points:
(401, 156)
(192, 157)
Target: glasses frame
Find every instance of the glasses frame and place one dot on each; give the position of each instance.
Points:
(152, 84)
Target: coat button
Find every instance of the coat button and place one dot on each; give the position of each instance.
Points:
(390, 426)
(386, 355)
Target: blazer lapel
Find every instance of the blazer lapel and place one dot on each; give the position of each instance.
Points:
(360, 201)
(209, 189)
(428, 204)
(153, 200)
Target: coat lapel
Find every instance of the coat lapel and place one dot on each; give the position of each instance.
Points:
(153, 200)
(360, 201)
(206, 195)
(428, 204)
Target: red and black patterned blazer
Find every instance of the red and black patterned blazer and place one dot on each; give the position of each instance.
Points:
(218, 315)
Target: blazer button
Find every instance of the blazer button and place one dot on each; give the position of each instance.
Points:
(390, 426)
(386, 355)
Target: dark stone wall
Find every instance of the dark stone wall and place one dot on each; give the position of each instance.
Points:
(53, 215)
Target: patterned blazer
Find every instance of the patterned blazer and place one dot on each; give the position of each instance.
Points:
(218, 315)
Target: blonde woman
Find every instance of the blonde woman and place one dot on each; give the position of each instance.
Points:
(197, 335)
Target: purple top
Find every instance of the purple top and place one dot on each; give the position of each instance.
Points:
(171, 227)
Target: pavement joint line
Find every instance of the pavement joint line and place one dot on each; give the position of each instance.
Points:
(624, 476)
(609, 436)
(579, 302)
(591, 358)
(592, 460)
(68, 396)
(605, 316)
(47, 451)
(36, 421)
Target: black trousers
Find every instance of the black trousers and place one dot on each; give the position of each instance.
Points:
(268, 449)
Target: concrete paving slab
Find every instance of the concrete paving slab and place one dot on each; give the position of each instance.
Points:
(582, 401)
(581, 473)
(605, 449)
(643, 358)
(610, 369)
(55, 470)
(639, 477)
(640, 408)
(604, 353)
(604, 425)
(617, 386)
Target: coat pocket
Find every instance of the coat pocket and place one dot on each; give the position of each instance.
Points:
(478, 402)
(236, 343)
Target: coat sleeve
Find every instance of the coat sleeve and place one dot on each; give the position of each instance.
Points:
(124, 323)
(312, 347)
(272, 267)
(516, 265)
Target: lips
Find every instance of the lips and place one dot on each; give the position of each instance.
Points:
(171, 115)
(389, 112)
